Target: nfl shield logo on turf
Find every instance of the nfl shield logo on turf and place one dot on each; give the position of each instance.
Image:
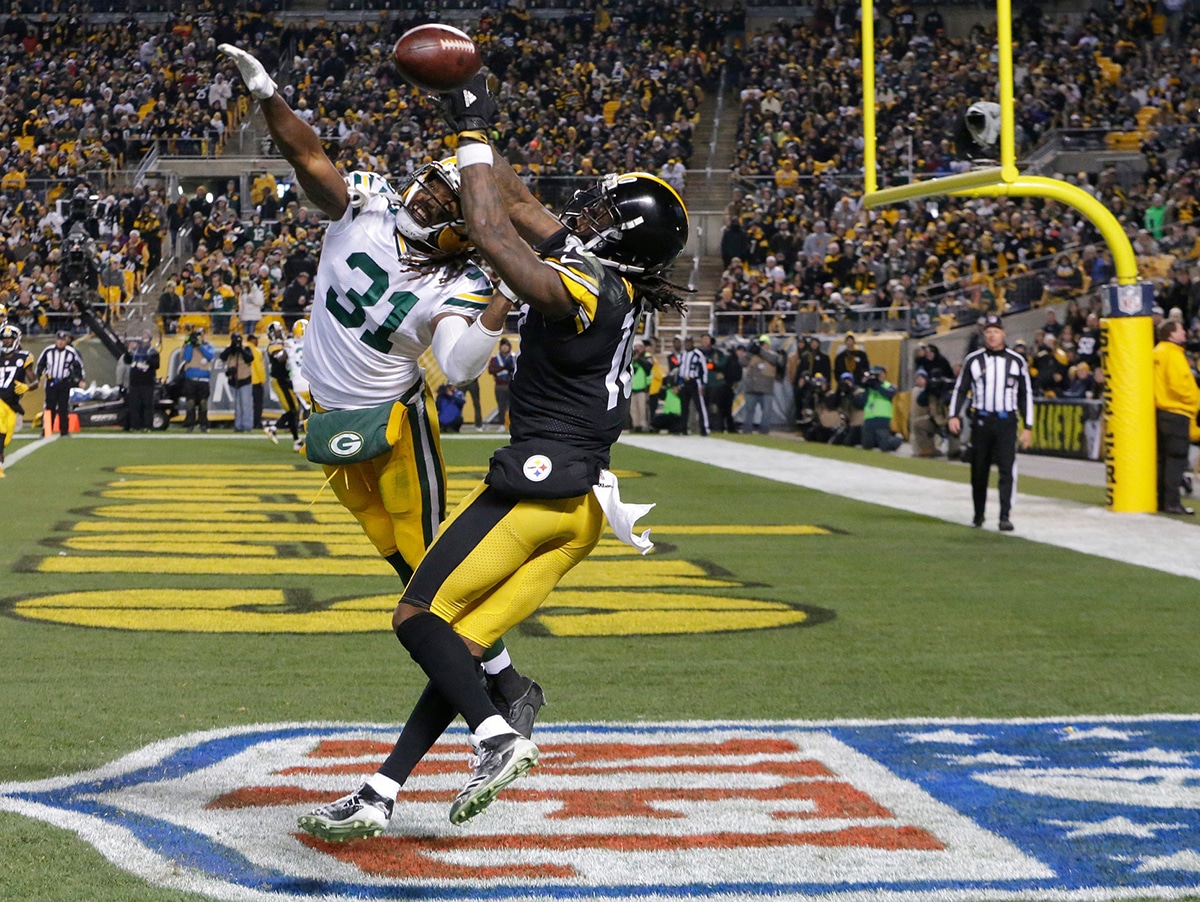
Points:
(895, 811)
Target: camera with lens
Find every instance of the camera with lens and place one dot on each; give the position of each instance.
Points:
(872, 379)
(939, 385)
(194, 339)
(78, 263)
(74, 263)
(235, 340)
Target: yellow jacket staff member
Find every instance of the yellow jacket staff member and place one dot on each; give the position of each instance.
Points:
(1177, 399)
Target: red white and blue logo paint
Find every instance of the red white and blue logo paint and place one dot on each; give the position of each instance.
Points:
(1088, 808)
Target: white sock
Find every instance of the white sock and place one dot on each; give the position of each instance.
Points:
(498, 663)
(385, 786)
(493, 726)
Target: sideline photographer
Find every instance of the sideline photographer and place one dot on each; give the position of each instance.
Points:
(198, 356)
(809, 363)
(877, 412)
(828, 420)
(852, 398)
(939, 383)
(239, 371)
(759, 367)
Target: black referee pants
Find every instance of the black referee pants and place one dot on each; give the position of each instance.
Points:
(993, 441)
(58, 404)
(1173, 440)
(692, 392)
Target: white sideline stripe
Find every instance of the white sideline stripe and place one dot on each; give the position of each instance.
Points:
(10, 459)
(1147, 540)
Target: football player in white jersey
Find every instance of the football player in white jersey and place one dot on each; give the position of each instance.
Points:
(295, 363)
(394, 278)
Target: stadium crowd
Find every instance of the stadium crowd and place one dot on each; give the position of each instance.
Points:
(96, 98)
(614, 89)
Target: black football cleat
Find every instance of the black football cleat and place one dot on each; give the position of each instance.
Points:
(522, 711)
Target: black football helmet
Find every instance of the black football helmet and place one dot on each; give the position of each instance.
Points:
(10, 339)
(275, 332)
(636, 222)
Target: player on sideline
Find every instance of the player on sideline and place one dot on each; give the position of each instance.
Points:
(542, 507)
(281, 378)
(16, 378)
(395, 278)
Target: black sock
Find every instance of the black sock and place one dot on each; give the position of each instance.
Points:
(508, 683)
(405, 572)
(429, 719)
(439, 651)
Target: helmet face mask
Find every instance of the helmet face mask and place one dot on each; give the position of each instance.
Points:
(275, 332)
(430, 214)
(635, 223)
(10, 339)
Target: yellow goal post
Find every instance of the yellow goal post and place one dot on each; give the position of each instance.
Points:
(1126, 333)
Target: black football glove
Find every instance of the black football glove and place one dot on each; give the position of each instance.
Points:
(471, 107)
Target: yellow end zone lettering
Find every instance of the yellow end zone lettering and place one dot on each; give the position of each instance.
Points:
(567, 613)
(271, 521)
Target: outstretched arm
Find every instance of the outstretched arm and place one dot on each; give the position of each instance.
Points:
(496, 237)
(296, 140)
(500, 213)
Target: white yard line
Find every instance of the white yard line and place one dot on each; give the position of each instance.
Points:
(1147, 540)
(11, 458)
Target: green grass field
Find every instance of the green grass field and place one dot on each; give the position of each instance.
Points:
(907, 616)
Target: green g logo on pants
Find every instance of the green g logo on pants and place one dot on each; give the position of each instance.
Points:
(346, 444)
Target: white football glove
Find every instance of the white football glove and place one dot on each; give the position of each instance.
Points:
(254, 75)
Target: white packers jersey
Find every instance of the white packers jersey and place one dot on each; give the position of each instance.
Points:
(373, 313)
(295, 360)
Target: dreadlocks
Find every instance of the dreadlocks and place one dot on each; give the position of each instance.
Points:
(450, 266)
(659, 292)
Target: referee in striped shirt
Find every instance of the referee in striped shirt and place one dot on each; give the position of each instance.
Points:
(62, 368)
(997, 381)
(693, 379)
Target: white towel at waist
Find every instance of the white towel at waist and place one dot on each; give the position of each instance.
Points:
(622, 516)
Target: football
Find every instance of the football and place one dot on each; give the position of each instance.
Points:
(436, 58)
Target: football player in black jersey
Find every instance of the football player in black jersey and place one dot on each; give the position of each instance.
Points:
(16, 378)
(281, 378)
(583, 287)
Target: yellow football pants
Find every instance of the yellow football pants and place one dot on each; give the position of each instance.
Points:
(399, 498)
(497, 559)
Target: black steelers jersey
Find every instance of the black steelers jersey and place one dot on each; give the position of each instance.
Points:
(572, 383)
(14, 367)
(278, 356)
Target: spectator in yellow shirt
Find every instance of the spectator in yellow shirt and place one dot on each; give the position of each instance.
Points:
(786, 177)
(1177, 400)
